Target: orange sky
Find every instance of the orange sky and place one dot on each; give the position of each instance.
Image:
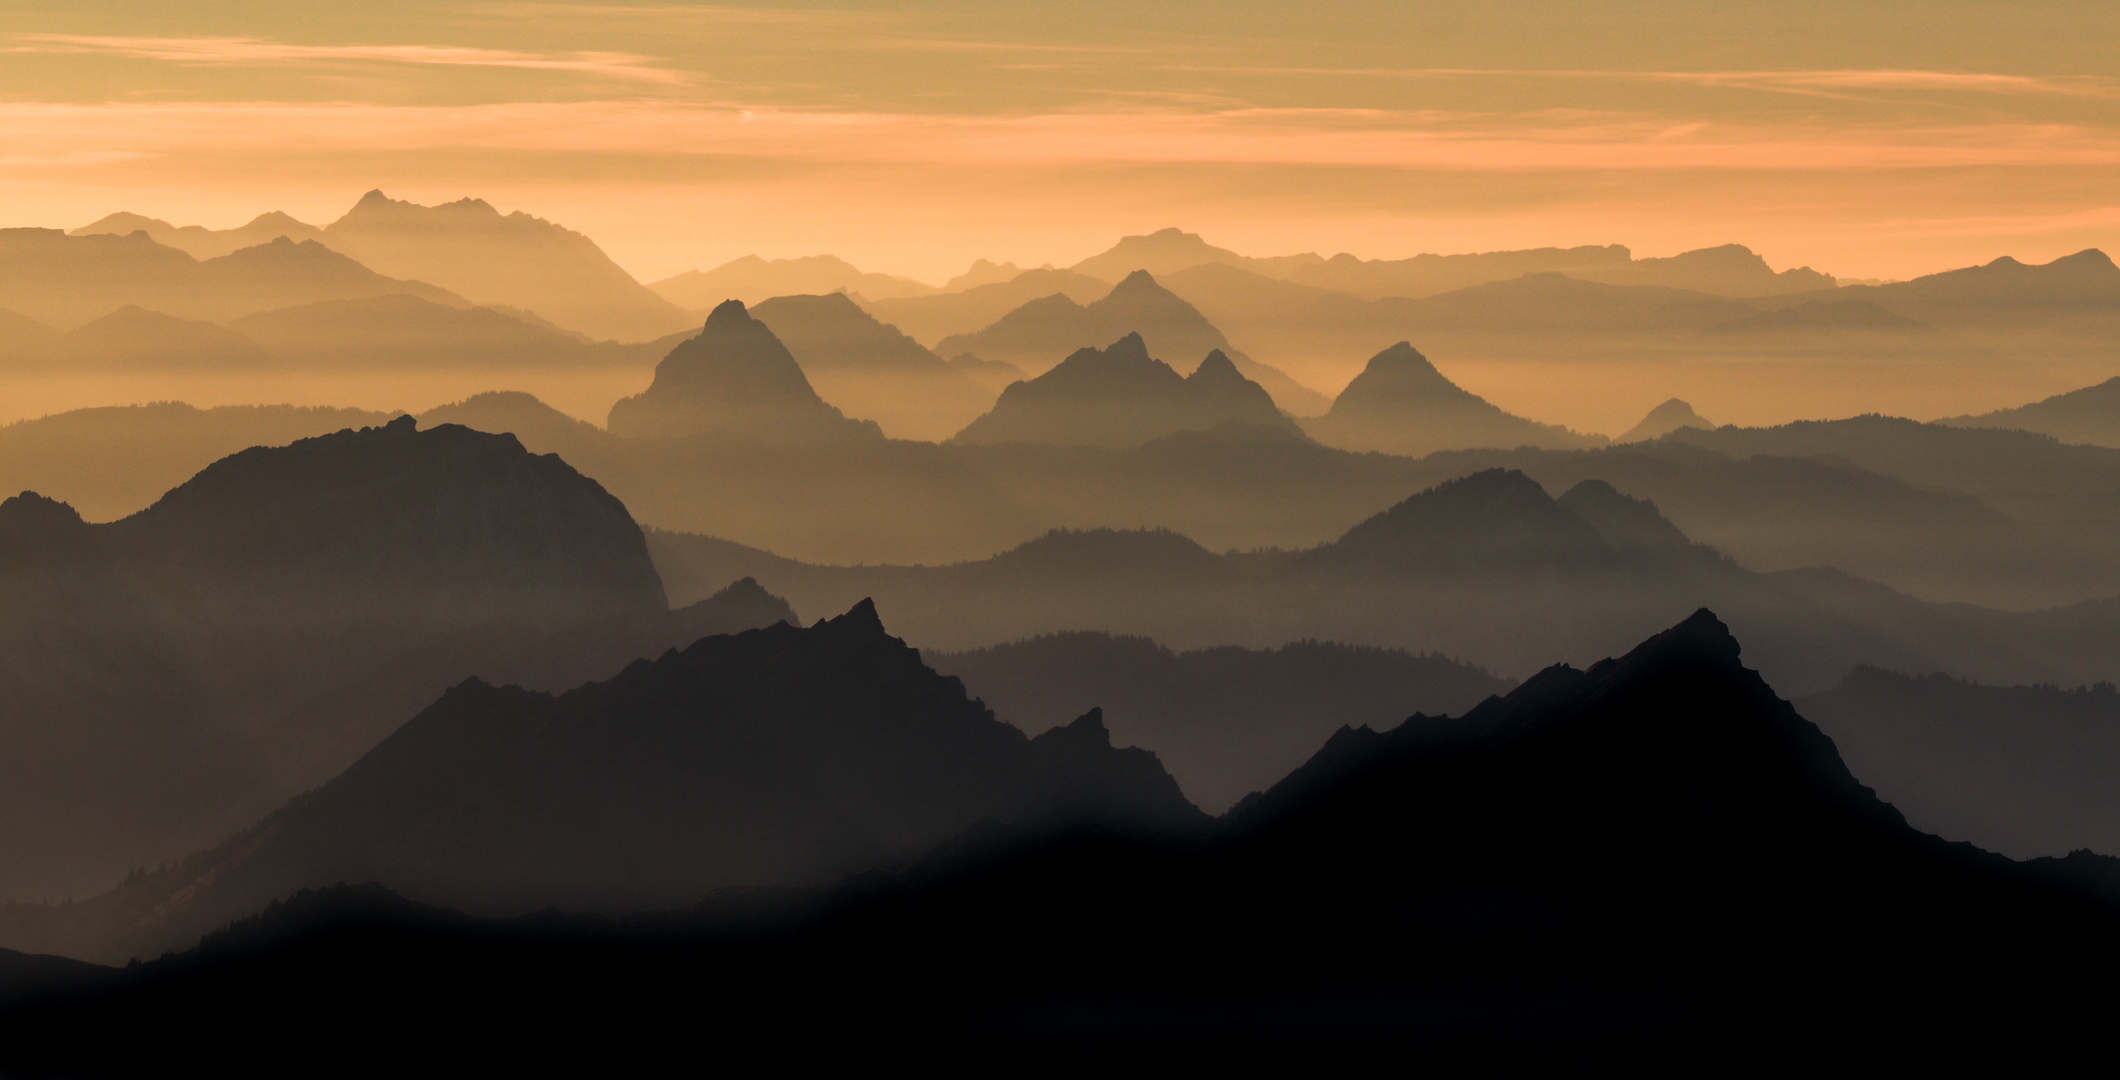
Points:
(1854, 138)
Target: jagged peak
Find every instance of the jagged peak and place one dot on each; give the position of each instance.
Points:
(30, 508)
(1086, 731)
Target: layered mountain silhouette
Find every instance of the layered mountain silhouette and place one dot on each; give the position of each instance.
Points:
(1225, 721)
(150, 661)
(2002, 294)
(1401, 404)
(1729, 270)
(2090, 415)
(779, 756)
(1663, 420)
(469, 247)
(1121, 396)
(734, 379)
(64, 281)
(200, 242)
(398, 331)
(134, 338)
(871, 369)
(930, 319)
(2023, 770)
(754, 280)
(1039, 334)
(1651, 859)
(1167, 251)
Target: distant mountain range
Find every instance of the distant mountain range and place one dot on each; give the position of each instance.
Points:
(2090, 415)
(1661, 421)
(1651, 859)
(1120, 396)
(1488, 568)
(754, 280)
(1042, 332)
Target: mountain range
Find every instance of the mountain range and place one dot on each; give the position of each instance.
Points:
(1650, 860)
(870, 368)
(754, 280)
(1120, 396)
(778, 756)
(178, 670)
(1042, 332)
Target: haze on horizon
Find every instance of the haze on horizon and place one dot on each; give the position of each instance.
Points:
(1862, 140)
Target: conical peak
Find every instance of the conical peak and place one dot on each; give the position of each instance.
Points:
(861, 617)
(1139, 284)
(1216, 368)
(1402, 356)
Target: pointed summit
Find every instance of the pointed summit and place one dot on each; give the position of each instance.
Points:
(1663, 420)
(1492, 519)
(734, 379)
(1401, 404)
(1120, 396)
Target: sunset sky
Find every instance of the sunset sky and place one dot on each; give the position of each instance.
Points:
(1861, 139)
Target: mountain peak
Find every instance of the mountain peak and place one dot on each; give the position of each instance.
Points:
(1218, 367)
(1663, 420)
(729, 313)
(1085, 732)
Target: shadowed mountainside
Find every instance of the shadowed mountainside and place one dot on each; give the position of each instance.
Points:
(780, 756)
(1225, 721)
(1647, 861)
(2024, 770)
(149, 661)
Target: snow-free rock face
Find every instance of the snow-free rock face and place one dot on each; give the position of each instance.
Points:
(1120, 396)
(1401, 404)
(734, 379)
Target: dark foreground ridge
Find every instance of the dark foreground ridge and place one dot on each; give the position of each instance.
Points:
(1654, 861)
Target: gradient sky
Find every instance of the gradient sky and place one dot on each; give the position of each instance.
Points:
(1864, 139)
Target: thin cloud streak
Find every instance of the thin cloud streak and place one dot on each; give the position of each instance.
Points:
(1249, 137)
(1796, 82)
(257, 51)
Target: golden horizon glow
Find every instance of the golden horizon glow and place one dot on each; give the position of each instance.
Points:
(916, 139)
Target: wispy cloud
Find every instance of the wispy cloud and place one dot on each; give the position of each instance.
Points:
(258, 51)
(1324, 138)
(1793, 82)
